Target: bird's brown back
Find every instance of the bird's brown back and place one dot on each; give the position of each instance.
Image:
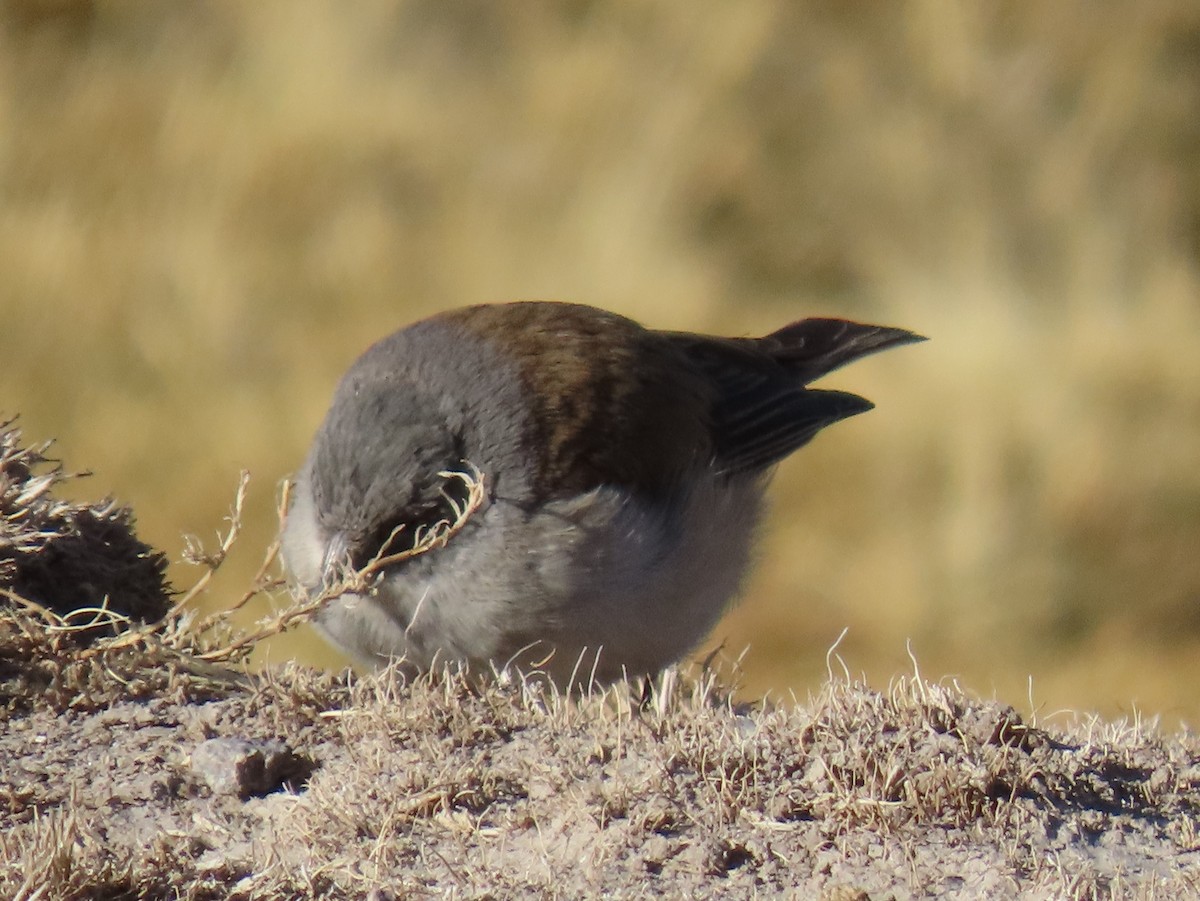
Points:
(612, 402)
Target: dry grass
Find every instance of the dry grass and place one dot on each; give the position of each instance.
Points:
(207, 210)
(446, 785)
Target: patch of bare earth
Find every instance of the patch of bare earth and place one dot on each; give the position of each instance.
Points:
(142, 761)
(303, 784)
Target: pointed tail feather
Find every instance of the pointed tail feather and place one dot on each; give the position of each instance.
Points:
(812, 347)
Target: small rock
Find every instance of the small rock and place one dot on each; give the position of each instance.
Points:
(238, 766)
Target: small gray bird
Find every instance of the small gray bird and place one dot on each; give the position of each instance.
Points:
(623, 467)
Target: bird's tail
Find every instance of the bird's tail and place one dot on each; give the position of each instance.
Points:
(812, 347)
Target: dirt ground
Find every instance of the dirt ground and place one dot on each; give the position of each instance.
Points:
(120, 782)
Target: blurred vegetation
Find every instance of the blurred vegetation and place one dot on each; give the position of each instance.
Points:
(207, 210)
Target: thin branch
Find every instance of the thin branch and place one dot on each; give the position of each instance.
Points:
(194, 554)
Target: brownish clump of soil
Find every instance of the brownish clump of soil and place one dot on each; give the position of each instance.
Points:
(68, 556)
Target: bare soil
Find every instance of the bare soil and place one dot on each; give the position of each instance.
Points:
(177, 781)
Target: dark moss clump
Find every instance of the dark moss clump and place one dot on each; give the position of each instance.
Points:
(66, 555)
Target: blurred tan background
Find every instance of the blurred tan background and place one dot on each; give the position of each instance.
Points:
(208, 209)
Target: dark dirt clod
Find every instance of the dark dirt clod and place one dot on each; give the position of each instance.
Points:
(66, 555)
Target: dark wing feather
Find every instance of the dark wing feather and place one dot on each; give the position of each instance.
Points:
(763, 409)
